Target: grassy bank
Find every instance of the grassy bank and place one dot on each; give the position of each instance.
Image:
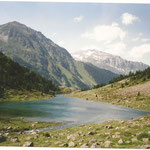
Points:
(16, 95)
(121, 93)
(114, 134)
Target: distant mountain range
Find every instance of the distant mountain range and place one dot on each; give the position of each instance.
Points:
(33, 50)
(109, 62)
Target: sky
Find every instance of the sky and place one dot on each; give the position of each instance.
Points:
(118, 29)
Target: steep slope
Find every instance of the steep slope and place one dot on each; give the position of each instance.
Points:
(107, 61)
(13, 76)
(33, 50)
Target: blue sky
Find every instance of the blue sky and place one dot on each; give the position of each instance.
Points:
(119, 29)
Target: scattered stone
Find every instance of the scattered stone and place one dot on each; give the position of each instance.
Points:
(117, 128)
(95, 145)
(6, 134)
(57, 143)
(127, 142)
(120, 141)
(109, 127)
(64, 145)
(108, 144)
(33, 125)
(122, 122)
(143, 147)
(134, 139)
(15, 139)
(116, 136)
(9, 128)
(28, 144)
(93, 141)
(71, 144)
(84, 145)
(36, 137)
(91, 133)
(145, 139)
(28, 138)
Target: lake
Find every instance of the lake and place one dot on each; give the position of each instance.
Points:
(67, 110)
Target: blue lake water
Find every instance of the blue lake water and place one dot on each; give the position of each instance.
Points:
(70, 111)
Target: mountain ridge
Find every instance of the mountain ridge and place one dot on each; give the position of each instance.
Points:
(33, 50)
(108, 61)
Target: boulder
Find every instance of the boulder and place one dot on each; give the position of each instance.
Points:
(145, 139)
(120, 141)
(71, 144)
(64, 145)
(86, 145)
(28, 144)
(143, 147)
(28, 138)
(134, 139)
(95, 145)
(15, 139)
(108, 144)
(91, 133)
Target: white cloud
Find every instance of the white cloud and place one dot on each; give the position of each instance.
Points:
(145, 40)
(78, 19)
(129, 18)
(116, 48)
(105, 33)
(139, 51)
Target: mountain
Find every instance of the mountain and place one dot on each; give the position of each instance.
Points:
(33, 50)
(14, 76)
(107, 61)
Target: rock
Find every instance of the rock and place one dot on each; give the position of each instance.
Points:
(71, 137)
(36, 137)
(145, 139)
(109, 127)
(127, 142)
(57, 143)
(71, 144)
(93, 141)
(84, 145)
(28, 144)
(143, 147)
(95, 145)
(117, 128)
(64, 145)
(15, 139)
(134, 139)
(9, 128)
(33, 125)
(120, 141)
(91, 133)
(116, 136)
(108, 144)
(122, 122)
(28, 138)
(2, 138)
(6, 134)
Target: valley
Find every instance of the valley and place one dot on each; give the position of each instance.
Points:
(106, 101)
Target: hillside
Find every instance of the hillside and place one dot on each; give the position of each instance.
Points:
(130, 91)
(15, 80)
(33, 50)
(108, 61)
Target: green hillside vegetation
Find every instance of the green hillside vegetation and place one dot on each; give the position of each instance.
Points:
(17, 82)
(33, 50)
(130, 91)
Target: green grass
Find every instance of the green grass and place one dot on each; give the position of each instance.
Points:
(22, 95)
(127, 130)
(127, 96)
